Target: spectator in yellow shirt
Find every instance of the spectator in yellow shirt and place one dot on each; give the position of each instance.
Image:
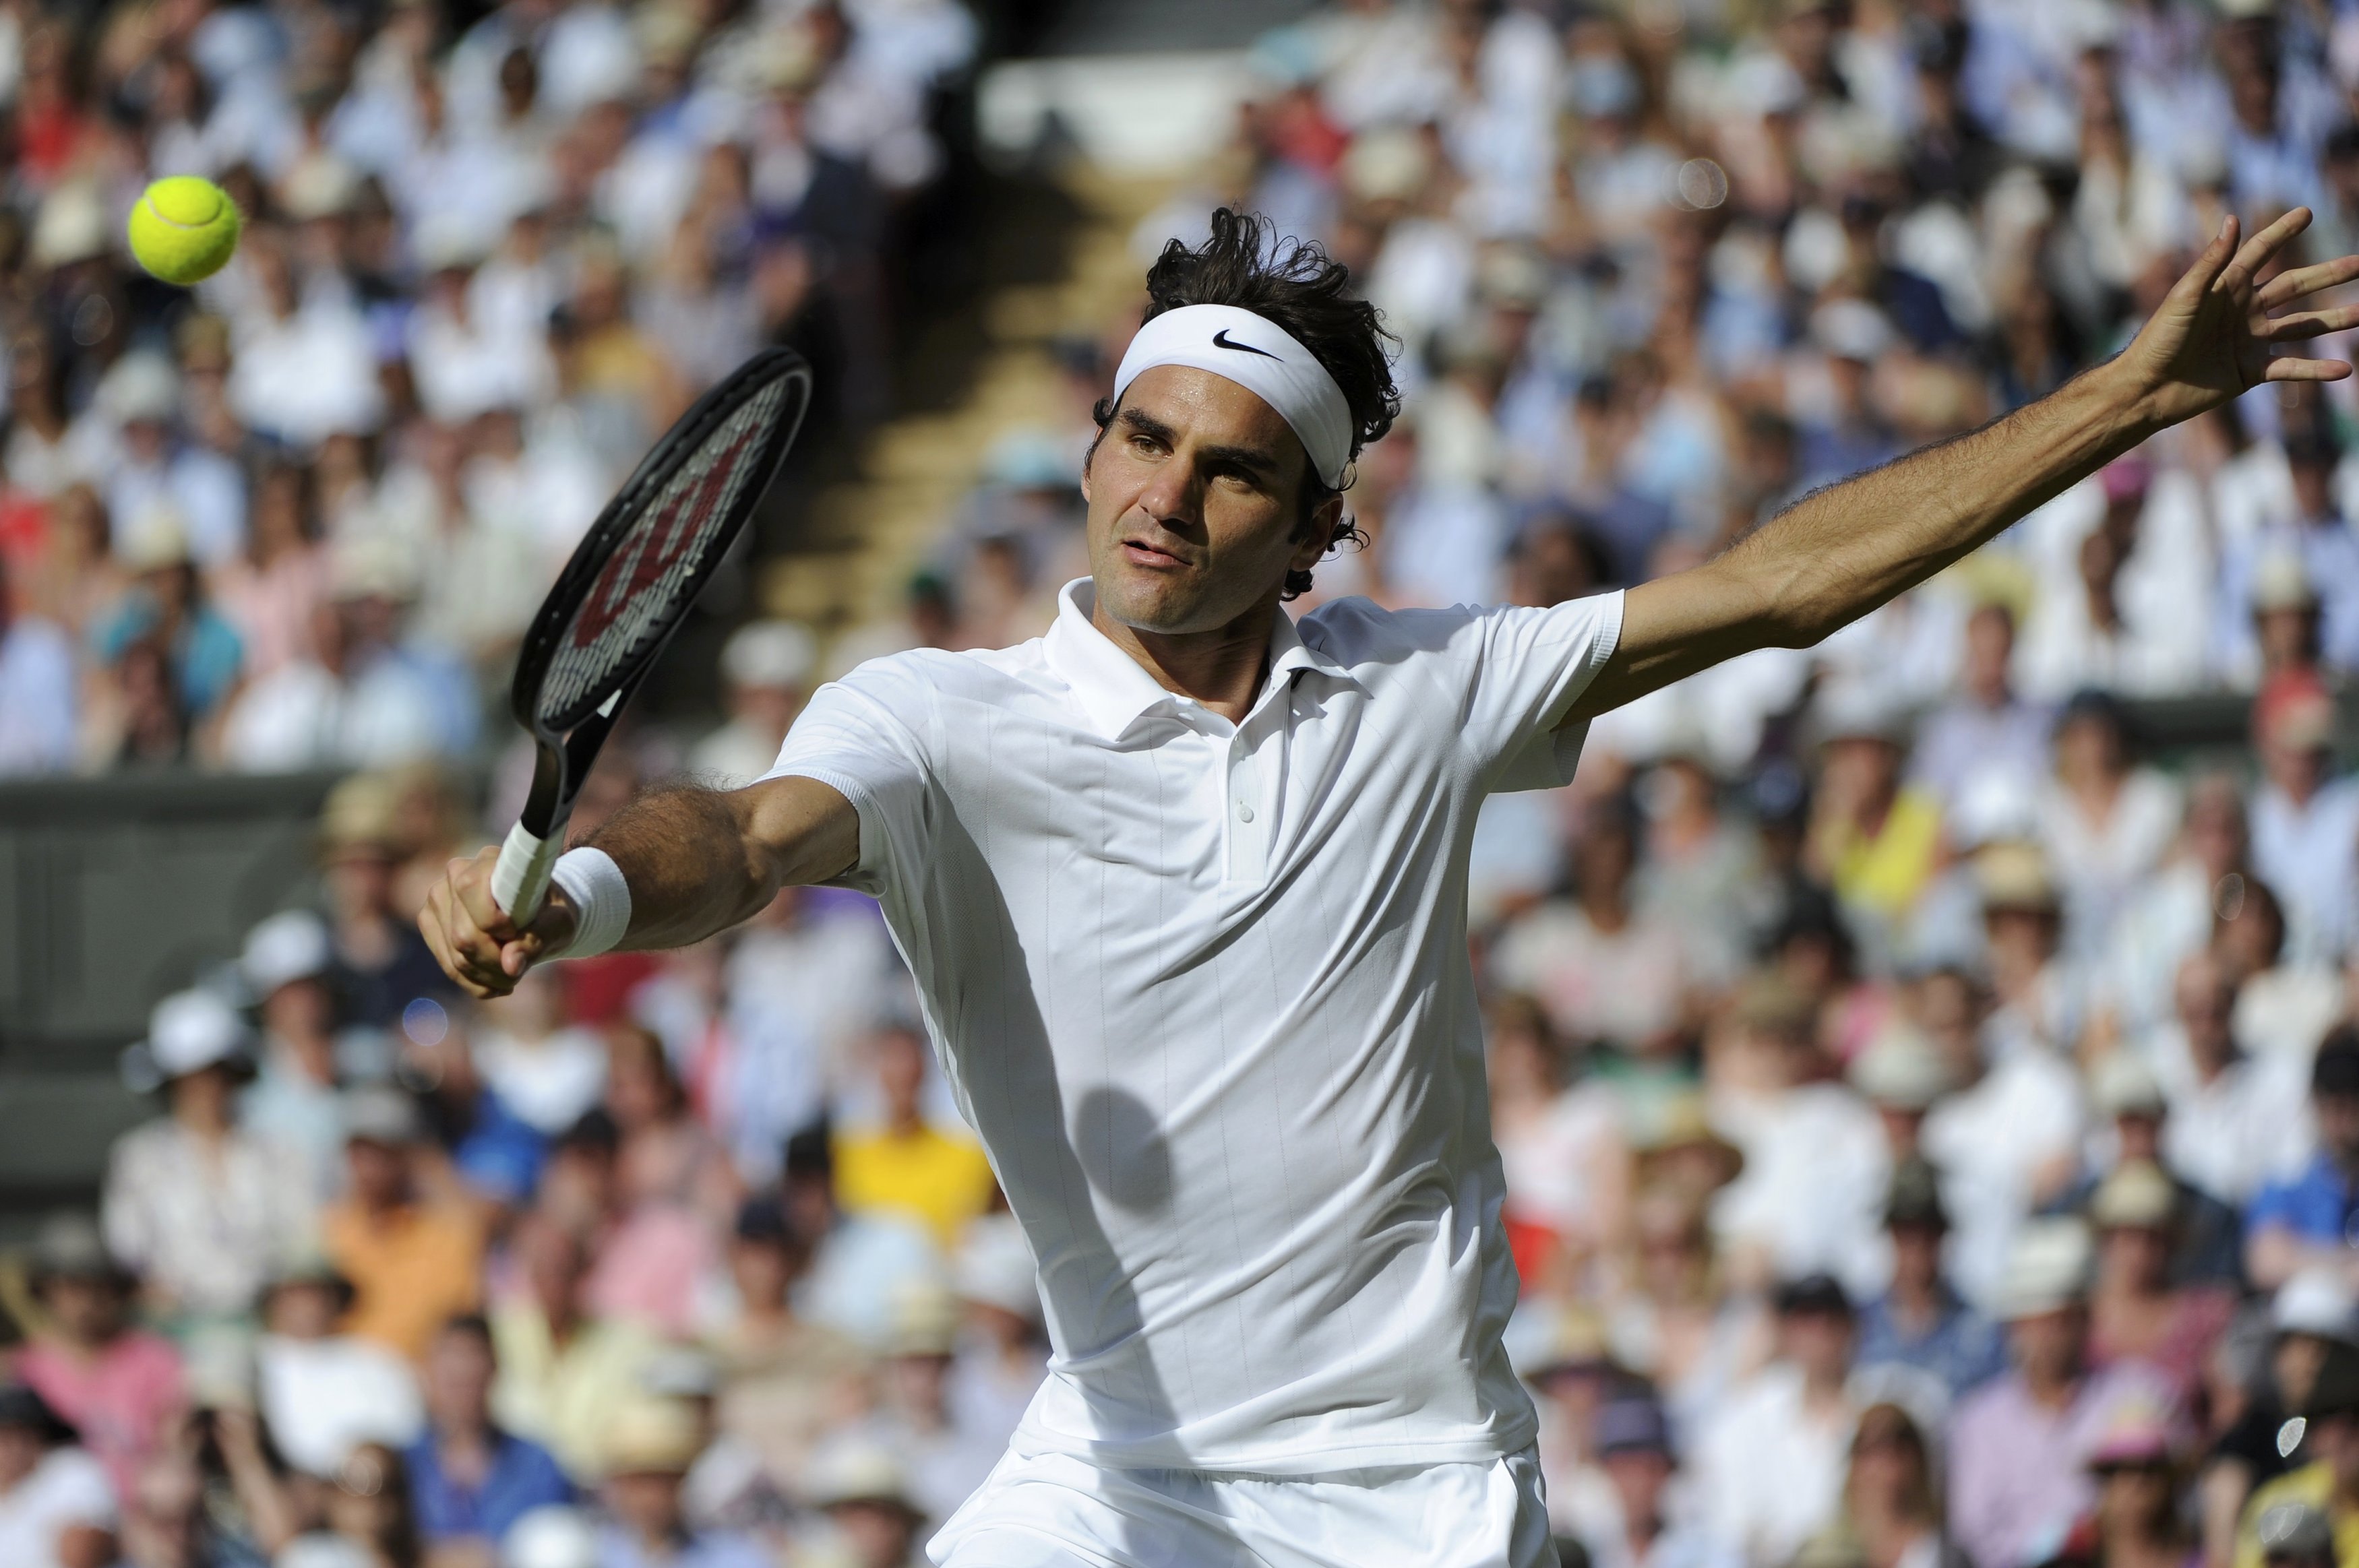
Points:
(413, 1264)
(908, 1166)
(1875, 841)
(2330, 1483)
(565, 1375)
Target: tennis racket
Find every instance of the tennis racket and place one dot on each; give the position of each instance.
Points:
(627, 589)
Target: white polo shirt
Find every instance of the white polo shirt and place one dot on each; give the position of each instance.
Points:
(1203, 991)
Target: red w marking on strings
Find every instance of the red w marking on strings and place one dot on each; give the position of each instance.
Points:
(654, 549)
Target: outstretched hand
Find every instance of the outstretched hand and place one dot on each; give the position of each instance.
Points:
(2215, 333)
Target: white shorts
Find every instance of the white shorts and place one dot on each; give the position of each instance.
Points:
(1054, 1511)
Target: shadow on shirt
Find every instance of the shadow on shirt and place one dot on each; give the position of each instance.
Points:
(1111, 1151)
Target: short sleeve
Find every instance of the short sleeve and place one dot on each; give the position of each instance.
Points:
(854, 736)
(123, 1204)
(73, 1489)
(1530, 666)
(2277, 1207)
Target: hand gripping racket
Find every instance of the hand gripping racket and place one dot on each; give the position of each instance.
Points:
(627, 589)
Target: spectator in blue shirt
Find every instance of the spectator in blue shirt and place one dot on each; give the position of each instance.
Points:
(495, 1151)
(2318, 536)
(2209, 1249)
(470, 1481)
(2309, 1222)
(167, 606)
(1920, 1322)
(38, 699)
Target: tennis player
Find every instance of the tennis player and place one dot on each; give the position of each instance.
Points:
(1183, 885)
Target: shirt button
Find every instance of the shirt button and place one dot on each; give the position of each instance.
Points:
(1245, 812)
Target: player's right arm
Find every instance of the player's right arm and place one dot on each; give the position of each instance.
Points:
(696, 861)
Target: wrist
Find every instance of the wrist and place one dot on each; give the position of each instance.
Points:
(601, 900)
(2106, 411)
(2127, 408)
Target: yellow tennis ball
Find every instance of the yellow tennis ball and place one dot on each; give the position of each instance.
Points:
(184, 229)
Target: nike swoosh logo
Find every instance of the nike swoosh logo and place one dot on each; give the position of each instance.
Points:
(1221, 340)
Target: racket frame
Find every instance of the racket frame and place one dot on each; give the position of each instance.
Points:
(566, 746)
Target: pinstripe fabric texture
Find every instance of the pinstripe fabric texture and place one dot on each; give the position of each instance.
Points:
(1203, 991)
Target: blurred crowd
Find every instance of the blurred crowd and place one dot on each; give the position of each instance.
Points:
(1930, 1106)
(300, 516)
(676, 1262)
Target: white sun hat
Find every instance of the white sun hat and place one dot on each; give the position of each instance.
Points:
(291, 946)
(187, 1032)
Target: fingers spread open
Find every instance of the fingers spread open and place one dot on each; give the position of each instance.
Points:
(2295, 282)
(2288, 368)
(2204, 274)
(2308, 324)
(2256, 251)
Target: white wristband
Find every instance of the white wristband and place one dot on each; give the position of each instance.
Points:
(601, 901)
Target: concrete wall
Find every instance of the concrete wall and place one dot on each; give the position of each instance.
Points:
(113, 892)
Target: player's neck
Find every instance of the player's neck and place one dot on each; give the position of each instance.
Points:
(1221, 668)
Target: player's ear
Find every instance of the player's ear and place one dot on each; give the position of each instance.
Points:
(1312, 545)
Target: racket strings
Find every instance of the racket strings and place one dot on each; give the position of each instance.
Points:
(635, 591)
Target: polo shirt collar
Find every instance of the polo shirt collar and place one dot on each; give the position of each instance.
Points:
(1114, 690)
(1289, 652)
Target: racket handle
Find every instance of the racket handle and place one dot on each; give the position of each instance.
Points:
(520, 878)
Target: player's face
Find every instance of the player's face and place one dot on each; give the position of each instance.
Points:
(1195, 504)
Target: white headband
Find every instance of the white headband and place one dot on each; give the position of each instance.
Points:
(1258, 355)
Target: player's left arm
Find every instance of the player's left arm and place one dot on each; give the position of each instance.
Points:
(1837, 553)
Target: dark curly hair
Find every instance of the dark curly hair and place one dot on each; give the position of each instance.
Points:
(1299, 286)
